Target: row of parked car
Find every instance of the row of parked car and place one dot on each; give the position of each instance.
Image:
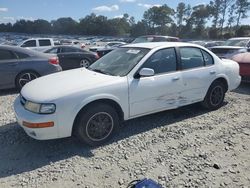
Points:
(20, 65)
(129, 81)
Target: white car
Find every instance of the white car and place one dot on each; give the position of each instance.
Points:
(131, 81)
(38, 44)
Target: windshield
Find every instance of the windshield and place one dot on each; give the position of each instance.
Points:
(236, 42)
(119, 62)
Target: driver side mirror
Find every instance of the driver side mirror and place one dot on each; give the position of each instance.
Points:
(146, 72)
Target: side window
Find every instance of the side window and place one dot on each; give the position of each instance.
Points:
(162, 61)
(53, 51)
(29, 43)
(44, 42)
(22, 55)
(66, 49)
(208, 59)
(6, 55)
(191, 58)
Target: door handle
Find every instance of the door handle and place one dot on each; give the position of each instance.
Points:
(212, 72)
(176, 78)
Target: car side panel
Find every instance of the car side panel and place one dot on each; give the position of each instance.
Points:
(196, 83)
(118, 93)
(8, 72)
(41, 66)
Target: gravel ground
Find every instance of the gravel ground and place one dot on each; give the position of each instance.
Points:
(187, 147)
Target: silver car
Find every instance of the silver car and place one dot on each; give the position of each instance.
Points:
(19, 66)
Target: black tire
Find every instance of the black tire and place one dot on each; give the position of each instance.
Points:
(85, 63)
(90, 120)
(215, 96)
(25, 77)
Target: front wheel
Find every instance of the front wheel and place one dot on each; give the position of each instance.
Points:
(96, 124)
(215, 96)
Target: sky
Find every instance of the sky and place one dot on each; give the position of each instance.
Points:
(12, 10)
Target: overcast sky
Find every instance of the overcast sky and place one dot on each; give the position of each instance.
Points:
(12, 10)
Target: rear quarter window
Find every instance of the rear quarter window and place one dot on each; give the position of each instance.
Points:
(208, 59)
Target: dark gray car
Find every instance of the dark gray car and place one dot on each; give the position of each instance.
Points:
(18, 66)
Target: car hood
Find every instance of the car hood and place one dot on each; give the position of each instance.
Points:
(227, 47)
(54, 86)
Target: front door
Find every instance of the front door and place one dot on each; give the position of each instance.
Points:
(158, 92)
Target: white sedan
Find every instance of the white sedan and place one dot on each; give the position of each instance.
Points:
(131, 81)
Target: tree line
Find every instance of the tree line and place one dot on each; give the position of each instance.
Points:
(217, 19)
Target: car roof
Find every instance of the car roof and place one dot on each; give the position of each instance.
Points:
(151, 45)
(21, 50)
(65, 46)
(39, 38)
(163, 36)
(239, 38)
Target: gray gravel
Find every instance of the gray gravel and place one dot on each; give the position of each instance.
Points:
(187, 147)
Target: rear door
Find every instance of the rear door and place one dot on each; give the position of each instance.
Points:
(198, 72)
(8, 68)
(69, 58)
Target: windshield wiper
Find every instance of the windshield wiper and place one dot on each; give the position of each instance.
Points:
(100, 71)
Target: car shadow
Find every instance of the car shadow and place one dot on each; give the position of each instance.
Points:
(8, 92)
(244, 88)
(20, 153)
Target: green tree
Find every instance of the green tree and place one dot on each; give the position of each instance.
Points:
(225, 4)
(158, 16)
(180, 13)
(64, 26)
(199, 17)
(242, 7)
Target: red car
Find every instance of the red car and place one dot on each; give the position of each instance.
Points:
(244, 61)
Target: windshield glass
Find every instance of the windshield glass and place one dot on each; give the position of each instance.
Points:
(236, 42)
(119, 62)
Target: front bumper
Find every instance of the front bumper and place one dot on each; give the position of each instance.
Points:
(22, 115)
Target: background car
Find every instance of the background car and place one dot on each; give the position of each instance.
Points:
(107, 46)
(38, 44)
(155, 38)
(244, 61)
(232, 47)
(72, 57)
(74, 43)
(19, 66)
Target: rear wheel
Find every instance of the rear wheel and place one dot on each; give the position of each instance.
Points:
(215, 96)
(25, 77)
(96, 124)
(84, 63)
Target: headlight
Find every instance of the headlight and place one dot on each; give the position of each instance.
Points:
(40, 108)
(31, 106)
(47, 108)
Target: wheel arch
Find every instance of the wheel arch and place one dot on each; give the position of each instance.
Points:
(223, 80)
(23, 71)
(108, 101)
